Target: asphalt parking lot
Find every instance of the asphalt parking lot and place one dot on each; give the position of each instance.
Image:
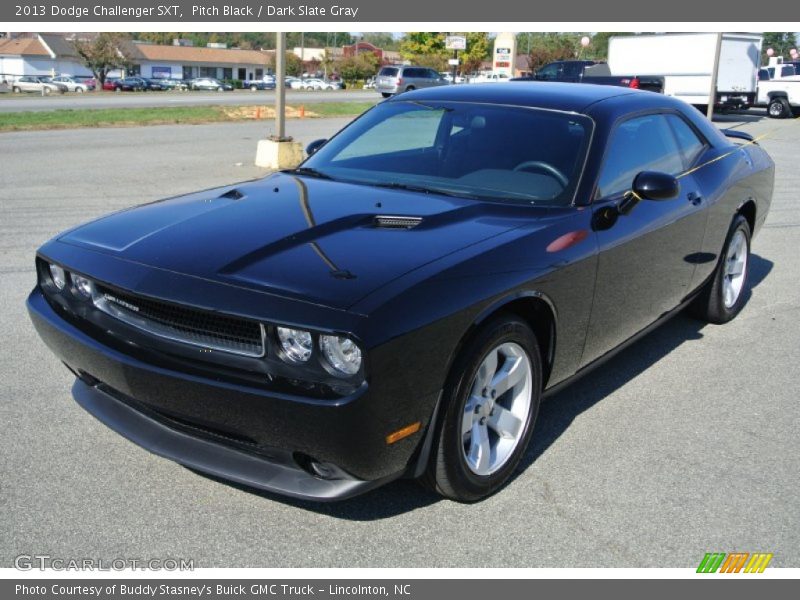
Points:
(685, 443)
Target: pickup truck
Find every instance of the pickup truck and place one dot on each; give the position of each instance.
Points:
(590, 71)
(780, 96)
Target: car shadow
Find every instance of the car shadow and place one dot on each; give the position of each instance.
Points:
(556, 415)
(739, 118)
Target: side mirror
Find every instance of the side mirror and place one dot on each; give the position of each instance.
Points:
(314, 146)
(654, 185)
(650, 185)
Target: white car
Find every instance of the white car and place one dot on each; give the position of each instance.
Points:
(72, 84)
(317, 84)
(491, 78)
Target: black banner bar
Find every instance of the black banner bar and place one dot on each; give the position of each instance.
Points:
(261, 14)
(732, 587)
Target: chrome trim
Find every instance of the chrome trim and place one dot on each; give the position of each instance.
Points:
(109, 307)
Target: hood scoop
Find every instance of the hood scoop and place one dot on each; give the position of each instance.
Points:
(233, 194)
(395, 222)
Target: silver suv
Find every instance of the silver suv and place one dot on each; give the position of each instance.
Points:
(400, 78)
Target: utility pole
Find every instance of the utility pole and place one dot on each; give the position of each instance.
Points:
(302, 53)
(279, 151)
(712, 94)
(280, 89)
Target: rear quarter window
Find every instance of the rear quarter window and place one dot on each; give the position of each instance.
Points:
(388, 72)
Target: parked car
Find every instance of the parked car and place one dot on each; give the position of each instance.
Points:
(89, 82)
(781, 97)
(210, 84)
(40, 85)
(400, 78)
(597, 73)
(315, 84)
(489, 78)
(130, 84)
(394, 313)
(155, 85)
(173, 84)
(288, 81)
(110, 83)
(255, 85)
(72, 85)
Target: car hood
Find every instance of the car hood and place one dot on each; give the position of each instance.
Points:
(301, 237)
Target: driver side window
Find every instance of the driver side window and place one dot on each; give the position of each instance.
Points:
(640, 144)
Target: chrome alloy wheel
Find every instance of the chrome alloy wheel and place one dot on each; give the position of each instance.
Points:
(735, 269)
(497, 409)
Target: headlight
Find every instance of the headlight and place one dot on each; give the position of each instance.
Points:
(295, 343)
(58, 276)
(341, 353)
(82, 286)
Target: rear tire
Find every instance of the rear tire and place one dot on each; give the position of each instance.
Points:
(726, 292)
(491, 402)
(779, 108)
(410, 88)
(16, 90)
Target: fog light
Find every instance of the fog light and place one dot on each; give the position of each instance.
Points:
(83, 286)
(58, 276)
(296, 344)
(342, 353)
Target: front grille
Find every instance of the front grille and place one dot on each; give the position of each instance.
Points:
(182, 324)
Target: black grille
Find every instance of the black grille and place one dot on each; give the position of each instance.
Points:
(189, 325)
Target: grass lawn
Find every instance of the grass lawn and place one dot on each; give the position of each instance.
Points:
(130, 117)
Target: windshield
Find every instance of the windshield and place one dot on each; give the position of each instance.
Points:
(483, 151)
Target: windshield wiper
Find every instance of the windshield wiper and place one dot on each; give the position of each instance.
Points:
(310, 171)
(410, 187)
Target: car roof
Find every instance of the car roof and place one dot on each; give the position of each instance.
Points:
(570, 97)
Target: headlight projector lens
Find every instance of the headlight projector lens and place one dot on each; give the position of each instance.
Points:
(296, 344)
(342, 353)
(83, 286)
(58, 276)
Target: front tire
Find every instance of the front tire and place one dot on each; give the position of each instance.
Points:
(726, 293)
(492, 400)
(779, 108)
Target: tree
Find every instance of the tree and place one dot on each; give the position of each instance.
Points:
(294, 66)
(548, 47)
(425, 48)
(103, 53)
(781, 43)
(478, 50)
(354, 68)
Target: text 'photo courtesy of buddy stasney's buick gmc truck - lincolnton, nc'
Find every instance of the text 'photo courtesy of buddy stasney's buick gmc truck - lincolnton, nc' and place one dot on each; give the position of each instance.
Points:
(399, 304)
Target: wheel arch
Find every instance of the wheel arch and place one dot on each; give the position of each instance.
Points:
(777, 94)
(748, 210)
(533, 307)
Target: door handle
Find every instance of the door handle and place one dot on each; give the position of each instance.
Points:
(694, 198)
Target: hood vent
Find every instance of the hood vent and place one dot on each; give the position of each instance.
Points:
(233, 194)
(396, 222)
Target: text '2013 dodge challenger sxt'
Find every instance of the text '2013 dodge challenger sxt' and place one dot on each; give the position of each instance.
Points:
(400, 303)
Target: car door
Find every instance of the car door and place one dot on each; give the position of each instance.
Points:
(646, 257)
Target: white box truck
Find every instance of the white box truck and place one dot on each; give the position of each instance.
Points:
(686, 62)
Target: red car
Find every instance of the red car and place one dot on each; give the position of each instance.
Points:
(109, 84)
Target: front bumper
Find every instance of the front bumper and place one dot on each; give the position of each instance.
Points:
(279, 473)
(250, 435)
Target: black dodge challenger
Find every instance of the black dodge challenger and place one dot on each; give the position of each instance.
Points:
(400, 303)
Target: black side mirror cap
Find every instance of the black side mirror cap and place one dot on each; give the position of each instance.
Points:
(314, 146)
(654, 185)
(649, 185)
